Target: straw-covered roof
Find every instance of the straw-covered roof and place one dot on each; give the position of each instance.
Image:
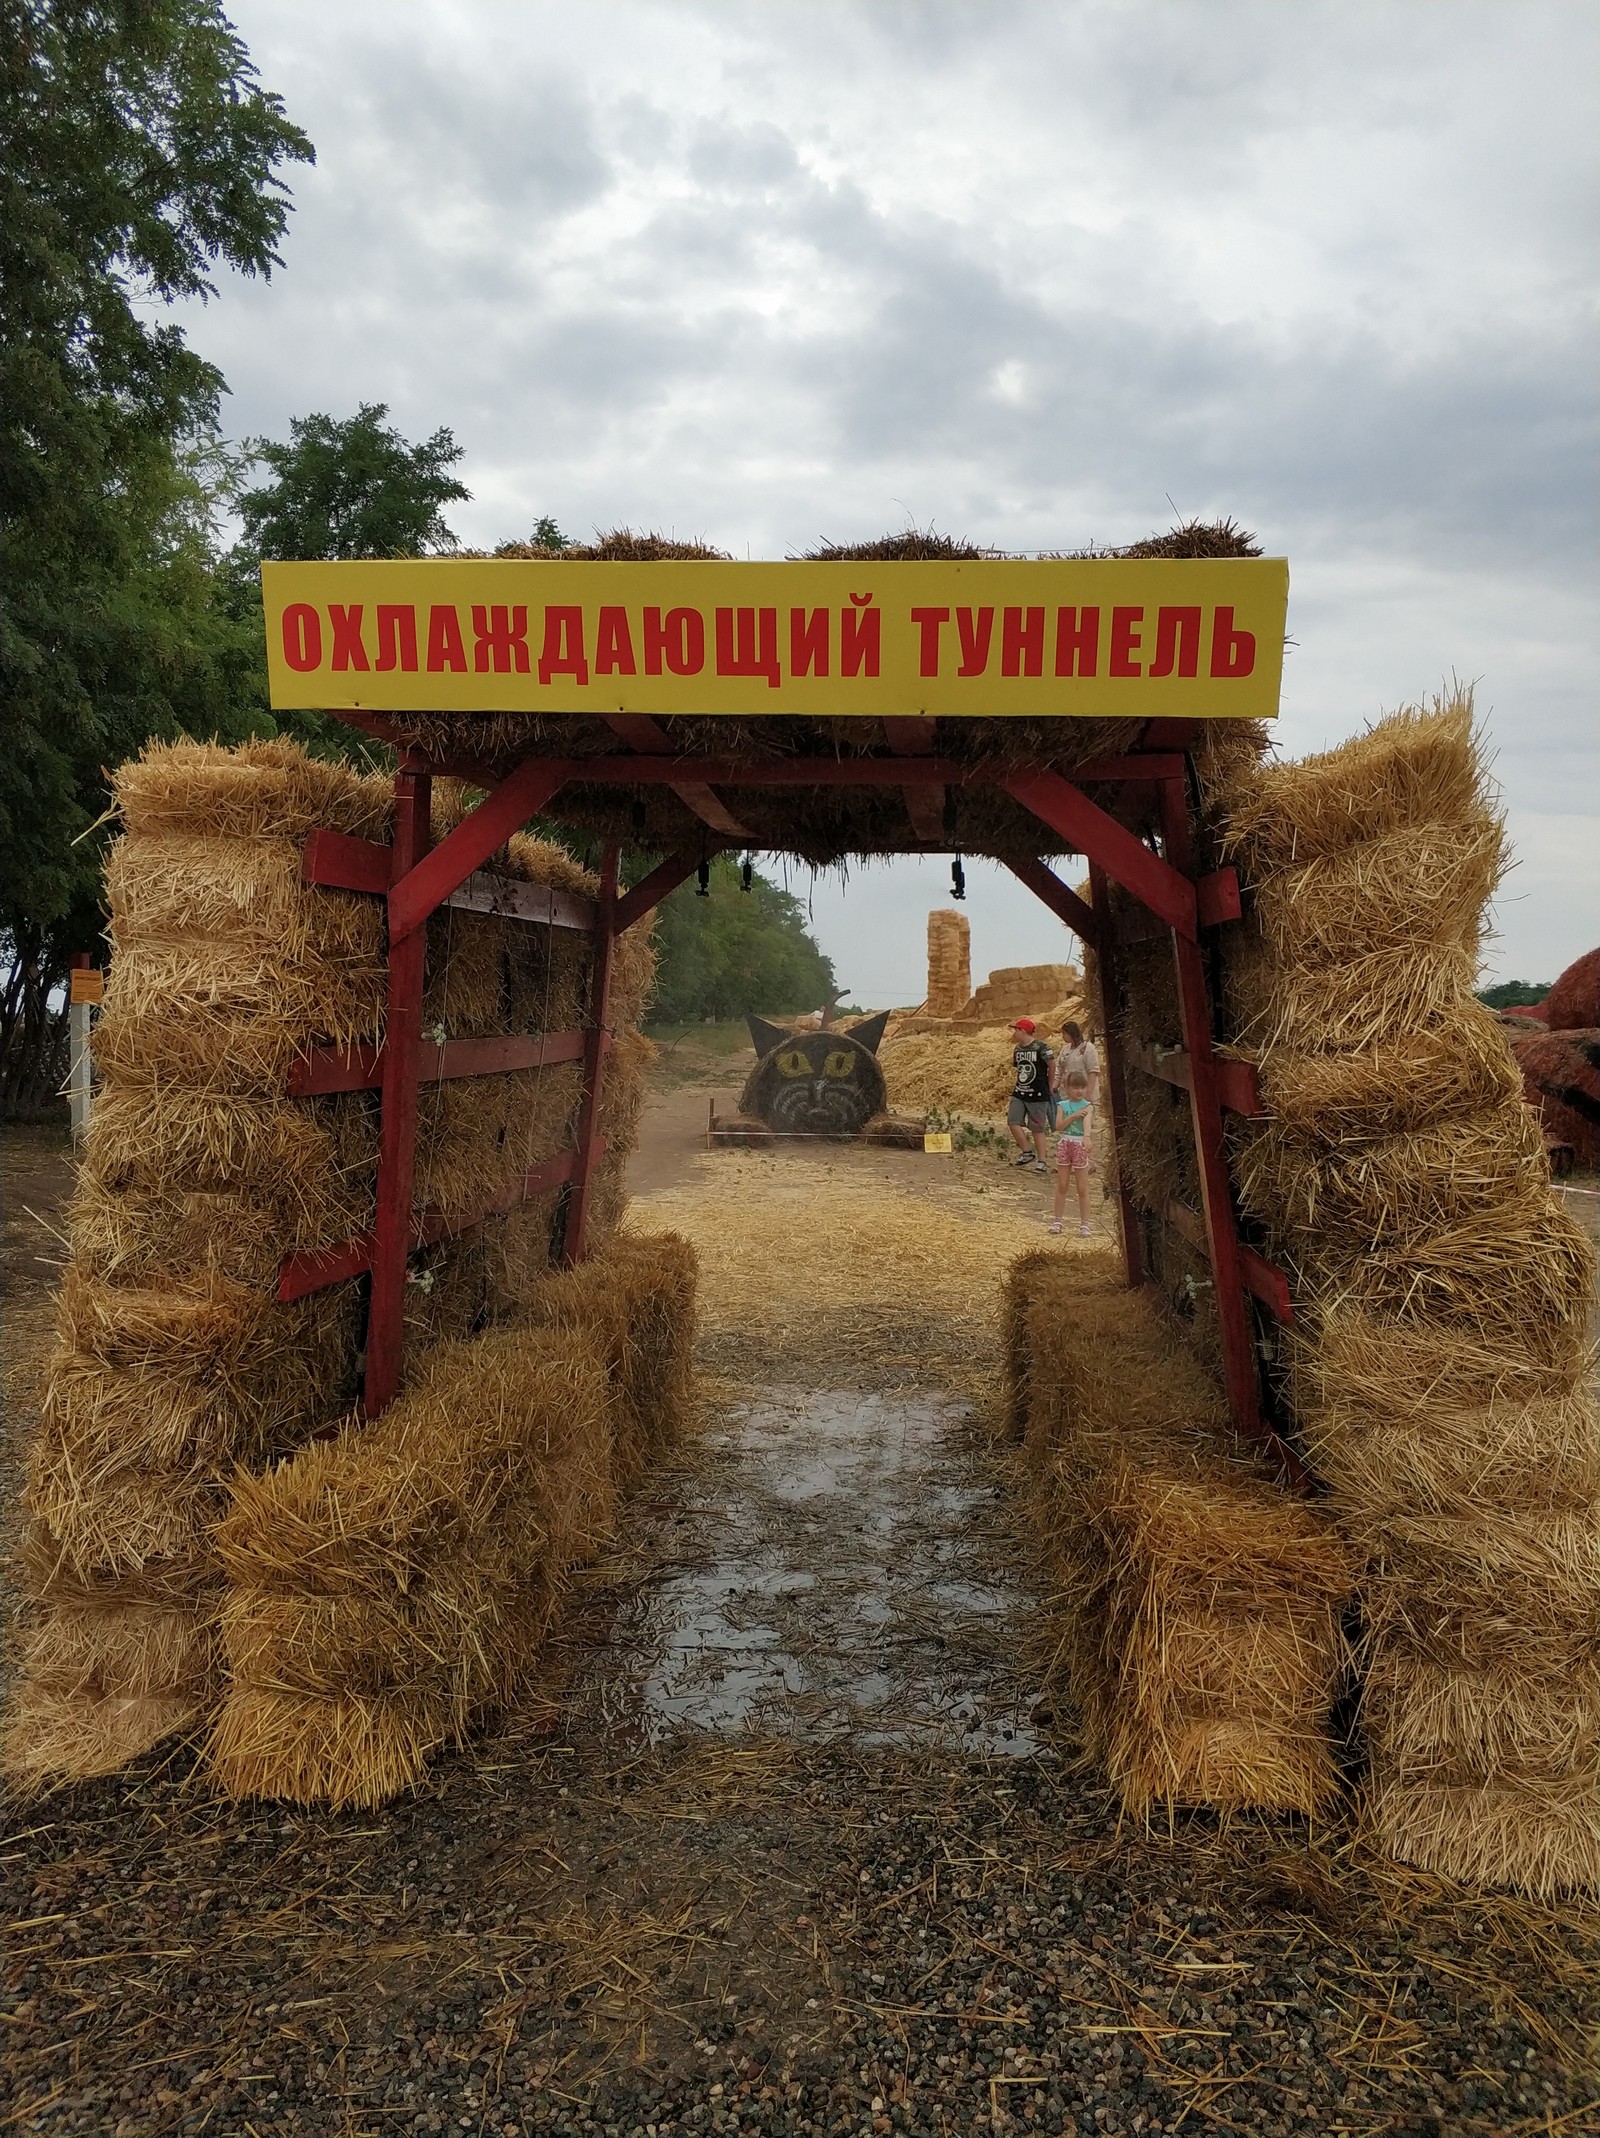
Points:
(820, 824)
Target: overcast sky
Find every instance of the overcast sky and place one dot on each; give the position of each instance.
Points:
(1031, 274)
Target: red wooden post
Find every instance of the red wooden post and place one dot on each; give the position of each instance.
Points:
(594, 1054)
(1116, 1081)
(1240, 1377)
(397, 1144)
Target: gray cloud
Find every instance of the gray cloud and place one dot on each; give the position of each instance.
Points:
(769, 273)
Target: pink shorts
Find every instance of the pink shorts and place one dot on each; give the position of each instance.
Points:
(1072, 1153)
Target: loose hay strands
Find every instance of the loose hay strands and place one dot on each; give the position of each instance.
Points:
(948, 1072)
(1202, 1603)
(455, 1516)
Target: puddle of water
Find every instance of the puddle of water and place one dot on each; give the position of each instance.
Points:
(830, 1569)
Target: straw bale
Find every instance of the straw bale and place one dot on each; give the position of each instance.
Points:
(472, 1495)
(110, 1648)
(1202, 1603)
(186, 885)
(1151, 1014)
(608, 1199)
(464, 983)
(1471, 1461)
(211, 1011)
(1535, 1832)
(448, 1295)
(1420, 884)
(1363, 1002)
(1440, 1718)
(517, 1250)
(1422, 765)
(251, 790)
(1523, 1277)
(1157, 1150)
(1520, 1591)
(636, 1300)
(1409, 1080)
(1357, 1194)
(53, 1736)
(965, 1072)
(1019, 991)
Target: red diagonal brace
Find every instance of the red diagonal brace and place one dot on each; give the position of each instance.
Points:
(425, 887)
(666, 876)
(1056, 802)
(1065, 904)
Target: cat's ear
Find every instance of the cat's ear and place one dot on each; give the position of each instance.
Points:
(871, 1029)
(764, 1037)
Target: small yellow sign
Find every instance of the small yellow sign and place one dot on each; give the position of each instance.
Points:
(86, 983)
(1084, 638)
(938, 1140)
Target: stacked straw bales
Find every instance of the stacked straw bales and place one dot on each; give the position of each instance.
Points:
(391, 1587)
(1440, 1367)
(1201, 1602)
(949, 962)
(175, 1365)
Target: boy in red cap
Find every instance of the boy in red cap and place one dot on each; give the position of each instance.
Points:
(1032, 1112)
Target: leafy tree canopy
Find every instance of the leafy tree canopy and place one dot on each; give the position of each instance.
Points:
(1510, 994)
(353, 489)
(735, 951)
(139, 154)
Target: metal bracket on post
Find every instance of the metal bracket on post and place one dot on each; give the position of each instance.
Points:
(397, 1145)
(575, 1242)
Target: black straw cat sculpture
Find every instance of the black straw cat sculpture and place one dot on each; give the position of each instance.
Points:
(815, 1083)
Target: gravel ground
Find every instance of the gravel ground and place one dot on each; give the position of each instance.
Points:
(575, 1929)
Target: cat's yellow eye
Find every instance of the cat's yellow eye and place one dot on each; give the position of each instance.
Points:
(794, 1063)
(839, 1063)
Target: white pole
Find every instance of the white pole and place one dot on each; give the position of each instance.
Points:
(79, 1090)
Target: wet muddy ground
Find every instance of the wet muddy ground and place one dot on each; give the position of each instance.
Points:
(787, 1844)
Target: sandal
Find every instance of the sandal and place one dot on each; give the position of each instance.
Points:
(1055, 1224)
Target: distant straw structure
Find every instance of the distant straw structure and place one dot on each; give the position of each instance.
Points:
(1440, 1365)
(1200, 1602)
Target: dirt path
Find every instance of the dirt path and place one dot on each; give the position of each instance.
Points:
(765, 1858)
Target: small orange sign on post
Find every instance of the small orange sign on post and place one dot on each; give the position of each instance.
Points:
(86, 983)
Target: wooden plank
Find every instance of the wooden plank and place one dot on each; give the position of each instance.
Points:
(514, 900)
(666, 876)
(1139, 764)
(1064, 903)
(312, 1271)
(361, 1068)
(397, 1133)
(1236, 1081)
(1112, 1069)
(575, 1245)
(1216, 901)
(340, 863)
(428, 881)
(1264, 1280)
(1103, 840)
(640, 732)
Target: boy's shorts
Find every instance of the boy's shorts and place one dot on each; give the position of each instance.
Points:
(1073, 1153)
(1032, 1113)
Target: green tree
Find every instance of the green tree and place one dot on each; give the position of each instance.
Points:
(139, 153)
(354, 489)
(1512, 994)
(735, 951)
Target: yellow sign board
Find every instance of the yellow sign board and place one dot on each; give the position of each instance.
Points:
(939, 1140)
(992, 637)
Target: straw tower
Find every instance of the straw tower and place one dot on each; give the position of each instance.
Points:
(1200, 1603)
(949, 962)
(175, 1365)
(1441, 1367)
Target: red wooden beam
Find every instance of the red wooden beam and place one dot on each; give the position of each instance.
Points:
(1217, 900)
(361, 1068)
(589, 1143)
(1116, 1083)
(666, 876)
(397, 1135)
(640, 732)
(1065, 904)
(914, 735)
(1237, 1083)
(768, 772)
(428, 881)
(1056, 802)
(1139, 765)
(1241, 1379)
(341, 863)
(1263, 1279)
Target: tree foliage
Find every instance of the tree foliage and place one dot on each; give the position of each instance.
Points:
(139, 155)
(352, 489)
(735, 951)
(1512, 994)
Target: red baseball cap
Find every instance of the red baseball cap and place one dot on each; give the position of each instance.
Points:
(1024, 1024)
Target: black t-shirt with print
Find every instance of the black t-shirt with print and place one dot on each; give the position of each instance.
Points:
(1032, 1062)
